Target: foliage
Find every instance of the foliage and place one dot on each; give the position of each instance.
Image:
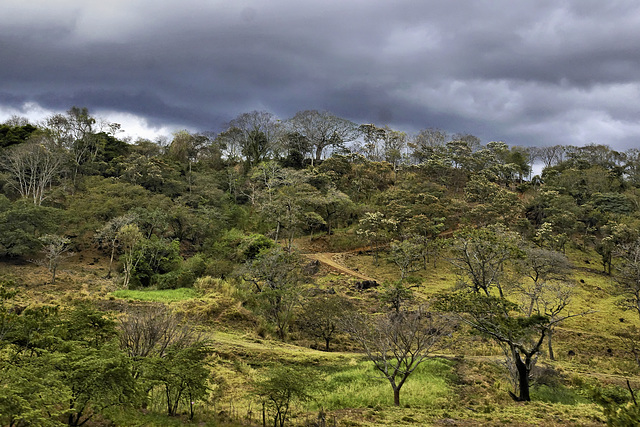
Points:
(277, 278)
(21, 225)
(182, 373)
(282, 386)
(321, 316)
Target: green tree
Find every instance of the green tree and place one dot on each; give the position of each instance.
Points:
(130, 238)
(278, 279)
(108, 235)
(182, 373)
(22, 224)
(377, 229)
(520, 336)
(281, 387)
(320, 316)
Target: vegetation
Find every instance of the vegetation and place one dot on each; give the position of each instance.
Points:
(280, 272)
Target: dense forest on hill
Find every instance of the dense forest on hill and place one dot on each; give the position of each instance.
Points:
(314, 271)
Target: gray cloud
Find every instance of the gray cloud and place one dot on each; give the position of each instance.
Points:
(529, 72)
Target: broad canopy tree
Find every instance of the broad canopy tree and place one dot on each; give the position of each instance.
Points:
(322, 129)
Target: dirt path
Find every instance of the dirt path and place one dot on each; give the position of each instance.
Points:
(327, 258)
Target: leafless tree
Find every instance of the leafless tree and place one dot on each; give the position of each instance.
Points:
(323, 129)
(151, 332)
(550, 156)
(399, 342)
(55, 248)
(33, 167)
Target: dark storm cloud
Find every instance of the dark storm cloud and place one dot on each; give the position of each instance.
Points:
(529, 72)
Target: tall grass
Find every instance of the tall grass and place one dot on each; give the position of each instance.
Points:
(360, 385)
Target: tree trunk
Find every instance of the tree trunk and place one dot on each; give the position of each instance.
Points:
(396, 396)
(551, 355)
(523, 380)
(326, 344)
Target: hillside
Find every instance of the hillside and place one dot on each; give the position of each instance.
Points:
(150, 284)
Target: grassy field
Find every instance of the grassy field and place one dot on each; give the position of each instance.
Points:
(466, 385)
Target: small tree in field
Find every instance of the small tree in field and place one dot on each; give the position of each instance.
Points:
(280, 388)
(129, 237)
(109, 234)
(55, 249)
(520, 336)
(320, 316)
(399, 342)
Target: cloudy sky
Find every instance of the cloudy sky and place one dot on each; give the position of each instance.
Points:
(536, 72)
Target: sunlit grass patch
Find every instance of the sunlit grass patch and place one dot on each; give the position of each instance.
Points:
(166, 295)
(360, 385)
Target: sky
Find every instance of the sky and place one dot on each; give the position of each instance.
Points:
(527, 72)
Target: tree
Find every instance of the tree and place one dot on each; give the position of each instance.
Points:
(109, 234)
(520, 336)
(98, 379)
(33, 167)
(254, 135)
(182, 374)
(377, 229)
(321, 316)
(480, 256)
(22, 224)
(398, 343)
(129, 237)
(547, 293)
(428, 143)
(55, 249)
(278, 278)
(408, 256)
(322, 130)
(150, 333)
(627, 276)
(397, 294)
(281, 387)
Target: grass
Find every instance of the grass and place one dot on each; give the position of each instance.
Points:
(164, 296)
(360, 385)
(470, 390)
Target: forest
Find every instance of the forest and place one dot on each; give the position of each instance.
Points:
(312, 271)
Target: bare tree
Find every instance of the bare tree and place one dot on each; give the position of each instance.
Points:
(551, 155)
(151, 332)
(323, 129)
(55, 249)
(33, 167)
(399, 342)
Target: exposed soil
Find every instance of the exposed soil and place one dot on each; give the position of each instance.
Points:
(328, 259)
